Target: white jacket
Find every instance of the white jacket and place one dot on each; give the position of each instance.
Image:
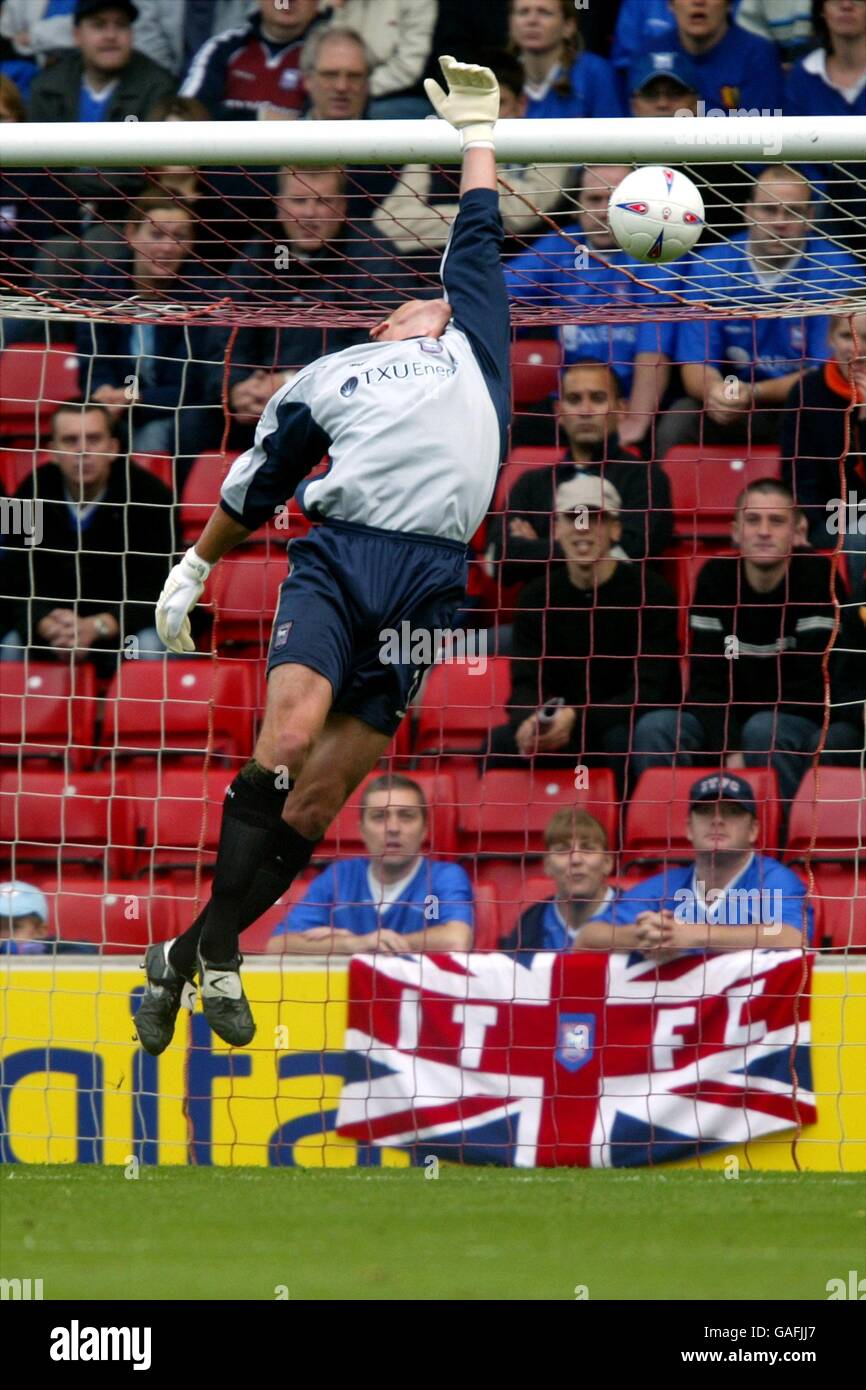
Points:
(45, 35)
(399, 35)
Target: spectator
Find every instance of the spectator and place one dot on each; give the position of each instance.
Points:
(738, 372)
(172, 31)
(336, 68)
(582, 269)
(398, 35)
(831, 80)
(105, 548)
(394, 900)
(666, 84)
(254, 73)
(104, 79)
(586, 412)
(786, 23)
(36, 30)
(705, 905)
(596, 635)
(738, 72)
(24, 927)
(148, 375)
(418, 215)
(24, 220)
(825, 422)
(323, 261)
(560, 80)
(761, 624)
(641, 27)
(579, 861)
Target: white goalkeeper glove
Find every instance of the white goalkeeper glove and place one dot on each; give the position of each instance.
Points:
(472, 102)
(182, 591)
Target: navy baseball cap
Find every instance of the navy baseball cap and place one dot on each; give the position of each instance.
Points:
(676, 66)
(84, 8)
(724, 786)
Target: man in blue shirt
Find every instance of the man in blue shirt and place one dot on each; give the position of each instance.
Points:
(728, 899)
(738, 372)
(393, 900)
(583, 270)
(579, 861)
(737, 71)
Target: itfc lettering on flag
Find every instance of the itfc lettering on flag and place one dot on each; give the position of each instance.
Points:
(584, 1060)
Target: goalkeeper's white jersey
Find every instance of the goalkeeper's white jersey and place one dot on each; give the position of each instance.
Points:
(415, 430)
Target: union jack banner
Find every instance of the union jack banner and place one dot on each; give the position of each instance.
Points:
(588, 1059)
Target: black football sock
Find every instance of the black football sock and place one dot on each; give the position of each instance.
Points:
(252, 816)
(291, 855)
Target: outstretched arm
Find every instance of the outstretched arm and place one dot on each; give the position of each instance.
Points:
(471, 105)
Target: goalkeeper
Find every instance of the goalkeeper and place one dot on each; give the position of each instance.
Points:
(416, 425)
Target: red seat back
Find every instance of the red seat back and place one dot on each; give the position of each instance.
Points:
(830, 806)
(657, 815)
(706, 481)
(120, 915)
(535, 365)
(188, 813)
(34, 380)
(460, 704)
(242, 592)
(512, 809)
(169, 706)
(840, 897)
(48, 710)
(55, 819)
(486, 912)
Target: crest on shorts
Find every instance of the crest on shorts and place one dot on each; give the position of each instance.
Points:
(575, 1039)
(281, 635)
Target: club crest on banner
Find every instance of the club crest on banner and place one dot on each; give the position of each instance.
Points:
(575, 1040)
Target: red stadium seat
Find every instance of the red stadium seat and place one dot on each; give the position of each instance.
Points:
(50, 818)
(118, 915)
(344, 839)
(655, 823)
(48, 711)
(168, 707)
(34, 380)
(242, 592)
(535, 364)
(511, 901)
(520, 461)
(16, 465)
(188, 812)
(706, 481)
(840, 897)
(460, 704)
(161, 466)
(255, 939)
(512, 809)
(201, 493)
(830, 806)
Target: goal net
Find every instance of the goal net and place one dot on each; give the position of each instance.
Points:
(178, 286)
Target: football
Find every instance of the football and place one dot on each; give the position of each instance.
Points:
(656, 214)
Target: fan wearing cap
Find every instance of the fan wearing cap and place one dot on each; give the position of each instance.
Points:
(728, 899)
(24, 926)
(597, 633)
(102, 78)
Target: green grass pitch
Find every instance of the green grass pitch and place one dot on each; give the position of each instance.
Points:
(473, 1233)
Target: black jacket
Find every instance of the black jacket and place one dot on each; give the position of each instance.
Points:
(118, 566)
(813, 443)
(56, 90)
(647, 524)
(612, 650)
(776, 661)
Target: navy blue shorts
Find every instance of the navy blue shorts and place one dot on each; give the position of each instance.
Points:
(356, 602)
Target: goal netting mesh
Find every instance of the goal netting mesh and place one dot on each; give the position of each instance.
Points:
(180, 296)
